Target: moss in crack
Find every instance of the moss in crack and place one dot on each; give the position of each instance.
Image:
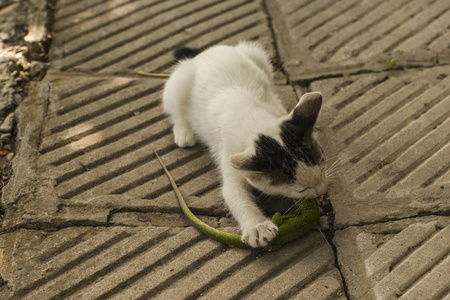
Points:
(396, 60)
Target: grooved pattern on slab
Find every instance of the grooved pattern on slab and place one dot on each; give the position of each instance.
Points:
(391, 136)
(320, 38)
(164, 263)
(389, 261)
(99, 138)
(97, 36)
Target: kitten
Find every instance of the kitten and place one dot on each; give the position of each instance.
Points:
(224, 97)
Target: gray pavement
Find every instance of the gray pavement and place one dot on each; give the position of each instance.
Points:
(89, 213)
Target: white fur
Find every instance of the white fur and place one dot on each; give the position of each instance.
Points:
(224, 98)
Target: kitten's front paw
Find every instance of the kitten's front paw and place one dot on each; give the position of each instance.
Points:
(259, 235)
(184, 137)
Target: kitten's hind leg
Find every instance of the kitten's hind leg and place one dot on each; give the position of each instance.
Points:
(176, 101)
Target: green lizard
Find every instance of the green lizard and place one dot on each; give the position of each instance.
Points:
(290, 227)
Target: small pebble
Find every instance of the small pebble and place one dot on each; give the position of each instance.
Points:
(5, 138)
(7, 125)
(9, 156)
(4, 36)
(324, 223)
(17, 98)
(37, 70)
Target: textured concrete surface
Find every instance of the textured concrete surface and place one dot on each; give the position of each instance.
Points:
(405, 259)
(390, 132)
(99, 39)
(89, 213)
(163, 263)
(325, 38)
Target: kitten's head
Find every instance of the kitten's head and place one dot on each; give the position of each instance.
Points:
(291, 164)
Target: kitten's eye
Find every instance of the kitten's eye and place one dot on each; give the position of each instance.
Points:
(305, 189)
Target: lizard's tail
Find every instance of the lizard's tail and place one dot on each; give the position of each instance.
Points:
(220, 236)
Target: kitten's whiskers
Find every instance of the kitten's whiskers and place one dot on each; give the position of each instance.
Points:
(294, 206)
(333, 169)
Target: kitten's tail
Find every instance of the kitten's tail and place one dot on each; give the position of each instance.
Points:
(185, 53)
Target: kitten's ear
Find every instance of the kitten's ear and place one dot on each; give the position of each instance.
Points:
(307, 109)
(244, 161)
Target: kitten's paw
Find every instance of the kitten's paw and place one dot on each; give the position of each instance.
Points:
(184, 137)
(259, 235)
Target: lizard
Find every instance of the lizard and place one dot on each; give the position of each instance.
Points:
(290, 226)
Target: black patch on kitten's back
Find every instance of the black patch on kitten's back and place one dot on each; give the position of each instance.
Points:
(185, 52)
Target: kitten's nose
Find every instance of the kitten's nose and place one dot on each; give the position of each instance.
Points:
(321, 189)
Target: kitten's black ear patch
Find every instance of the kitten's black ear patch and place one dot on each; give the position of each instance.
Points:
(244, 161)
(307, 109)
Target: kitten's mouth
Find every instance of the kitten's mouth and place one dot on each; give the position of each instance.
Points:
(304, 190)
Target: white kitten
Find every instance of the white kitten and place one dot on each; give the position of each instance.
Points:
(225, 98)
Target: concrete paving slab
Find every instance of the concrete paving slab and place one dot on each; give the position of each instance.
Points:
(390, 132)
(323, 38)
(160, 263)
(98, 37)
(405, 259)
